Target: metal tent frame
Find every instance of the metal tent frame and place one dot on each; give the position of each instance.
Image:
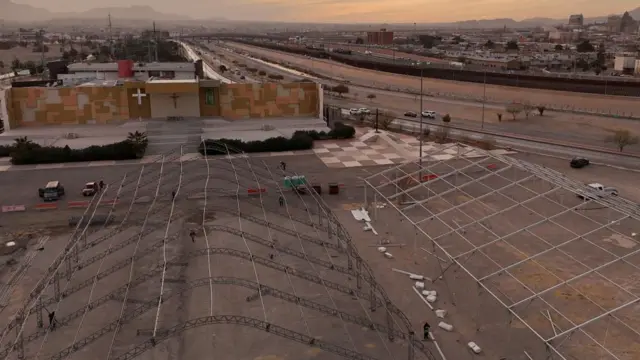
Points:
(225, 177)
(427, 192)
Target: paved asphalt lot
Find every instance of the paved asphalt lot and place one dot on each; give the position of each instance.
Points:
(21, 187)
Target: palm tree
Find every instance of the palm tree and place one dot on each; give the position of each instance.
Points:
(22, 141)
(139, 141)
(138, 138)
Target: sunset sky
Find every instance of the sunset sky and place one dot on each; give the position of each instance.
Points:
(375, 11)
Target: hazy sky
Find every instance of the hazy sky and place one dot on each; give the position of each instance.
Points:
(381, 11)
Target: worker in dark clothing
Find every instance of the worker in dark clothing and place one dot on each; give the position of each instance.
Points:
(283, 165)
(52, 320)
(281, 201)
(101, 185)
(426, 331)
(192, 233)
(173, 195)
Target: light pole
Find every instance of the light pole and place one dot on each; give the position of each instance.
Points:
(484, 98)
(421, 132)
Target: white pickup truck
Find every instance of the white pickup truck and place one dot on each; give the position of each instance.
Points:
(600, 192)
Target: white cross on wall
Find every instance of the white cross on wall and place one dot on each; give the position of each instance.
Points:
(139, 95)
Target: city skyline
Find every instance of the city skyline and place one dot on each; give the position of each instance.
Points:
(380, 11)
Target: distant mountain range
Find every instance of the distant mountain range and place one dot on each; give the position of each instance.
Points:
(12, 12)
(22, 13)
(532, 22)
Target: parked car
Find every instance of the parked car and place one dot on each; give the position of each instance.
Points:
(52, 191)
(410, 114)
(600, 192)
(429, 114)
(354, 111)
(90, 189)
(579, 162)
(364, 111)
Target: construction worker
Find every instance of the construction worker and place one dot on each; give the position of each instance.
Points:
(101, 184)
(192, 233)
(52, 320)
(281, 201)
(283, 165)
(426, 331)
(173, 195)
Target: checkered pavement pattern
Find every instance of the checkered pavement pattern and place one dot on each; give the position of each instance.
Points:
(355, 153)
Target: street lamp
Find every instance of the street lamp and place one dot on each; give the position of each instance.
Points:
(484, 98)
(420, 116)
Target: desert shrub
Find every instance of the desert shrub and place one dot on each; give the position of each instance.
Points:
(276, 77)
(340, 131)
(298, 141)
(31, 153)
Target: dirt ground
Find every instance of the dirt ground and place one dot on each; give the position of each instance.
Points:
(105, 284)
(507, 94)
(26, 54)
(487, 241)
(474, 313)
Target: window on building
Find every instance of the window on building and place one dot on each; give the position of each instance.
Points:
(153, 73)
(168, 74)
(209, 98)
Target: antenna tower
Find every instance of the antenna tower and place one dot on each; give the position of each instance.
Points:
(155, 41)
(110, 37)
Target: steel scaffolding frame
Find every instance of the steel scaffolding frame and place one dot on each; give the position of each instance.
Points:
(243, 171)
(388, 185)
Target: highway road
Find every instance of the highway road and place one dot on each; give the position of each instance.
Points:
(563, 126)
(579, 129)
(568, 127)
(366, 77)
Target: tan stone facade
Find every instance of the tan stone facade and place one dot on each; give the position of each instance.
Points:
(238, 101)
(40, 106)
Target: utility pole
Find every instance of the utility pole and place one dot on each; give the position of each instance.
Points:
(155, 41)
(421, 131)
(41, 32)
(110, 37)
(484, 98)
(149, 45)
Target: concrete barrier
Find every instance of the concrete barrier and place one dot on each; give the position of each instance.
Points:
(77, 204)
(46, 206)
(13, 208)
(256, 191)
(109, 202)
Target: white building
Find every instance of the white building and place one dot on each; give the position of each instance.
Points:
(141, 71)
(625, 63)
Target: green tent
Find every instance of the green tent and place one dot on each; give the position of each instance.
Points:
(294, 181)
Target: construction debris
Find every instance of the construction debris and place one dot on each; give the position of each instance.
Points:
(382, 249)
(441, 313)
(445, 326)
(419, 285)
(474, 347)
(388, 255)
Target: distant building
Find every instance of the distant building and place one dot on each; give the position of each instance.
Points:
(622, 24)
(576, 20)
(625, 64)
(382, 37)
